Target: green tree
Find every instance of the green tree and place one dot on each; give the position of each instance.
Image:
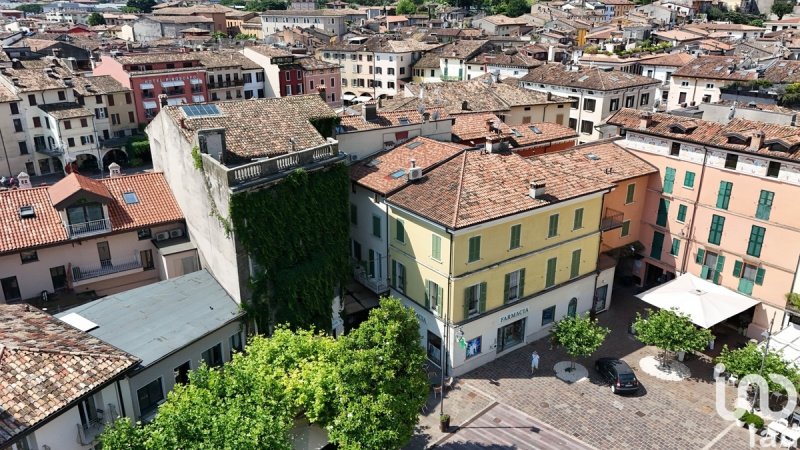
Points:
(381, 383)
(245, 37)
(219, 35)
(579, 336)
(30, 8)
(96, 19)
(366, 388)
(406, 7)
(748, 360)
(144, 6)
(715, 13)
(781, 7)
(129, 10)
(670, 330)
(266, 5)
(516, 8)
(790, 95)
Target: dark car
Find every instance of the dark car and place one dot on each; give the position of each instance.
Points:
(618, 373)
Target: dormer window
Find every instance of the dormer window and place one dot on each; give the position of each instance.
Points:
(738, 140)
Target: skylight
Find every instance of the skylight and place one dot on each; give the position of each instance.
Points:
(516, 133)
(592, 156)
(535, 129)
(374, 163)
(583, 78)
(26, 212)
(398, 173)
(130, 198)
(404, 121)
(200, 110)
(414, 145)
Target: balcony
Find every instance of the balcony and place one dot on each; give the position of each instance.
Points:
(80, 275)
(611, 219)
(378, 286)
(88, 433)
(54, 151)
(82, 229)
(225, 84)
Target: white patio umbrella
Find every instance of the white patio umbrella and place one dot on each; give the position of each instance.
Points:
(706, 303)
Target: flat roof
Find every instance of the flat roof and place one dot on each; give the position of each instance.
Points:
(156, 320)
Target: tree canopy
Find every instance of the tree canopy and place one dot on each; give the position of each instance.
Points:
(366, 388)
(144, 6)
(96, 19)
(406, 7)
(579, 336)
(257, 5)
(30, 8)
(782, 7)
(747, 360)
(671, 330)
(516, 8)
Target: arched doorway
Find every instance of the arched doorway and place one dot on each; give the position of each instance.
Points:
(115, 155)
(87, 163)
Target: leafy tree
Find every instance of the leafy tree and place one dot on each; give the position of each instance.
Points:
(382, 384)
(30, 8)
(516, 8)
(747, 360)
(756, 23)
(579, 336)
(218, 35)
(144, 6)
(715, 13)
(96, 19)
(245, 37)
(266, 5)
(670, 330)
(130, 10)
(781, 7)
(366, 388)
(406, 7)
(791, 95)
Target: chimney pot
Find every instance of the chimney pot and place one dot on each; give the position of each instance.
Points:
(645, 120)
(756, 141)
(113, 170)
(537, 188)
(24, 180)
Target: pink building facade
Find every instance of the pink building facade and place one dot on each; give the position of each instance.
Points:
(178, 76)
(316, 77)
(720, 207)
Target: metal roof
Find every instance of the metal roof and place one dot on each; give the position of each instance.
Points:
(156, 320)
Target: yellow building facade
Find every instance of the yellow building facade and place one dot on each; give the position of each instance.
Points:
(488, 282)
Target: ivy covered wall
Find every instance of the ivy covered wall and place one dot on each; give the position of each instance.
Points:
(298, 233)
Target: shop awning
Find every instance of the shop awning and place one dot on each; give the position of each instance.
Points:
(348, 97)
(175, 101)
(706, 303)
(172, 83)
(198, 98)
(146, 86)
(150, 105)
(362, 99)
(787, 341)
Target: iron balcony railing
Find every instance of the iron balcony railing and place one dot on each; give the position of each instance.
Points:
(611, 219)
(376, 285)
(88, 433)
(86, 228)
(105, 268)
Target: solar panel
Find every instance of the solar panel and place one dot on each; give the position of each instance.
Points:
(398, 173)
(200, 110)
(414, 145)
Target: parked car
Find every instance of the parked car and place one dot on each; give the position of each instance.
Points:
(618, 373)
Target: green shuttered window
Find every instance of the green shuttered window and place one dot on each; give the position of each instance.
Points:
(669, 180)
(715, 232)
(724, 194)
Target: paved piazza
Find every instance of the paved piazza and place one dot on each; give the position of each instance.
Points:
(664, 415)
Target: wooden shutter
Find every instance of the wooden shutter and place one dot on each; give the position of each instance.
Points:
(704, 272)
(521, 282)
(405, 278)
(737, 268)
(720, 266)
(760, 276)
(505, 287)
(466, 302)
(393, 274)
(701, 254)
(427, 294)
(482, 299)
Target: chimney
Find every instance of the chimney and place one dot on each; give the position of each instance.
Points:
(536, 190)
(67, 81)
(24, 180)
(756, 141)
(113, 170)
(162, 99)
(549, 96)
(465, 105)
(551, 53)
(369, 111)
(645, 120)
(493, 144)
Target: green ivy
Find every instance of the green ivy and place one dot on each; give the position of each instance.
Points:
(197, 158)
(325, 125)
(298, 233)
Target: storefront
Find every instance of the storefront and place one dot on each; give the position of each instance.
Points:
(511, 335)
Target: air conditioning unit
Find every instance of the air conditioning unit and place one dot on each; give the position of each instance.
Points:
(163, 236)
(176, 233)
(414, 173)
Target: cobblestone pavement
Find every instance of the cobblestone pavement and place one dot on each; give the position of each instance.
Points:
(663, 415)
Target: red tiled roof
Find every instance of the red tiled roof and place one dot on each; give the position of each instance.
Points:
(604, 160)
(72, 184)
(155, 206)
(715, 67)
(476, 187)
(388, 119)
(710, 133)
(377, 172)
(475, 126)
(526, 135)
(46, 365)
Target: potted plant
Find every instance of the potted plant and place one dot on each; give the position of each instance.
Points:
(740, 414)
(444, 422)
(754, 421)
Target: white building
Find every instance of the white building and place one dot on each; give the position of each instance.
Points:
(268, 59)
(661, 68)
(595, 93)
(330, 20)
(700, 81)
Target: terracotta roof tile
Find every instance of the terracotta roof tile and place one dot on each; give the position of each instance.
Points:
(526, 134)
(671, 60)
(65, 110)
(783, 72)
(605, 160)
(476, 126)
(585, 78)
(96, 85)
(258, 128)
(715, 67)
(714, 134)
(388, 171)
(388, 119)
(155, 206)
(45, 365)
(476, 187)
